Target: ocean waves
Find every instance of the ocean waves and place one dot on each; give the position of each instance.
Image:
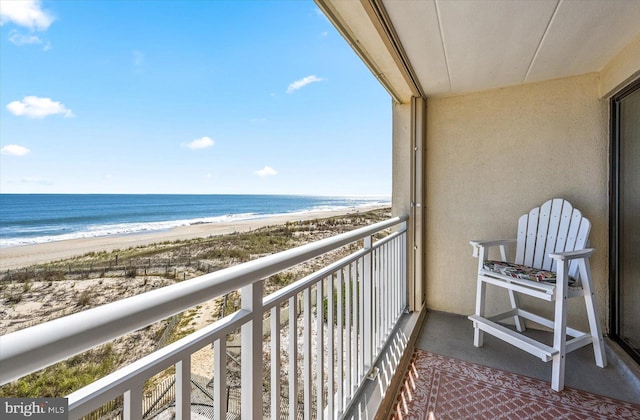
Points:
(23, 233)
(94, 231)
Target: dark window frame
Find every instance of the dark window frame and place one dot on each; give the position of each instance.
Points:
(614, 220)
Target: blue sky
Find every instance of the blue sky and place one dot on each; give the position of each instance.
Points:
(200, 97)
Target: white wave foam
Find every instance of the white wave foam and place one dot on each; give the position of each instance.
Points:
(135, 228)
(122, 229)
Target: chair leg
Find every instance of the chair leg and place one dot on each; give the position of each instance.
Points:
(592, 314)
(560, 328)
(478, 334)
(515, 304)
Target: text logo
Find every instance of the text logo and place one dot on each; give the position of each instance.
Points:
(34, 408)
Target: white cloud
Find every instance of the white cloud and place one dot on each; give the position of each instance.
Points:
(201, 143)
(35, 107)
(14, 150)
(19, 39)
(257, 120)
(27, 13)
(266, 171)
(302, 83)
(35, 180)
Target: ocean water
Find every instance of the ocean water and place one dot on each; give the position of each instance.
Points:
(37, 218)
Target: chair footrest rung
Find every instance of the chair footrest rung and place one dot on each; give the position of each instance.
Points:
(521, 341)
(539, 320)
(578, 342)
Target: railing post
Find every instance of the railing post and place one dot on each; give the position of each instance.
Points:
(220, 379)
(367, 286)
(183, 389)
(405, 265)
(293, 358)
(251, 352)
(320, 350)
(275, 363)
(307, 353)
(330, 348)
(133, 402)
(355, 351)
(340, 344)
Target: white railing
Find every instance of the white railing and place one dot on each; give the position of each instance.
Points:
(342, 316)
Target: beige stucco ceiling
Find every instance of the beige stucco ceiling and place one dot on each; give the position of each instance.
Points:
(457, 46)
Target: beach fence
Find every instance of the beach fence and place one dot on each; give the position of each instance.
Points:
(168, 331)
(163, 397)
(159, 402)
(178, 268)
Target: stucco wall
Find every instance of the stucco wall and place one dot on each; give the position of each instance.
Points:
(491, 157)
(621, 70)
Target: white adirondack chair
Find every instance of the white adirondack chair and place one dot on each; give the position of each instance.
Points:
(551, 245)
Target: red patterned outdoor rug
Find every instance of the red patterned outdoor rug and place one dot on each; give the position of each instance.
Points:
(438, 387)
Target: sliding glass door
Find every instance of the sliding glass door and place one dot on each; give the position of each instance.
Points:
(625, 219)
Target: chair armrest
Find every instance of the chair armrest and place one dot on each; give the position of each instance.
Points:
(572, 255)
(487, 244)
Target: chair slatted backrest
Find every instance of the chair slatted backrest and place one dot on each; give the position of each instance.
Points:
(555, 226)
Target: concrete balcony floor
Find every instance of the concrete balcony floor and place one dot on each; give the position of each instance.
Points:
(452, 336)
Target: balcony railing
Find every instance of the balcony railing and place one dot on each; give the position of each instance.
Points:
(329, 327)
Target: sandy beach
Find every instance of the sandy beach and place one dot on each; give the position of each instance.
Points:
(26, 255)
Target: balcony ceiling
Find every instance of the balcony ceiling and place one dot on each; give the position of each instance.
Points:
(457, 46)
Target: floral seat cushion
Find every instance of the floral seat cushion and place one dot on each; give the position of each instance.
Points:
(524, 272)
